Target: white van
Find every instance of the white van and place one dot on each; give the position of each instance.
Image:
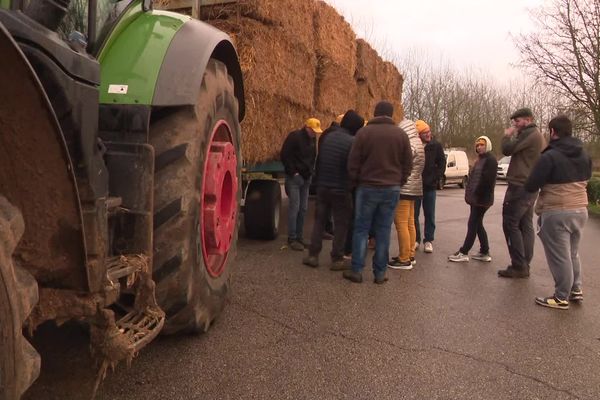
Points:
(457, 169)
(503, 167)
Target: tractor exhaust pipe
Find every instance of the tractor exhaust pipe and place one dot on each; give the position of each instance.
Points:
(48, 12)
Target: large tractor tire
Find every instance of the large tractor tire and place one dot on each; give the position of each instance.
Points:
(261, 209)
(196, 199)
(19, 362)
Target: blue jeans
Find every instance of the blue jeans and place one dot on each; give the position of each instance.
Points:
(374, 208)
(296, 188)
(429, 213)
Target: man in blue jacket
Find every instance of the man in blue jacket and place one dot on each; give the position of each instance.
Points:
(333, 189)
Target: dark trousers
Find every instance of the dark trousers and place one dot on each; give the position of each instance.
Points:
(428, 203)
(339, 204)
(475, 228)
(517, 223)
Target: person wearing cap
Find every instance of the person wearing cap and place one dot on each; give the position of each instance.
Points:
(434, 169)
(404, 217)
(333, 191)
(479, 195)
(561, 176)
(298, 158)
(524, 142)
(379, 164)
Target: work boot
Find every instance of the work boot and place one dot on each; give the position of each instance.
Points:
(512, 272)
(339, 265)
(352, 276)
(311, 261)
(380, 280)
(296, 245)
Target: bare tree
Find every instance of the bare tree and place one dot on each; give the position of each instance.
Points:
(564, 54)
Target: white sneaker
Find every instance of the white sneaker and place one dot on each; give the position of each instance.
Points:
(428, 247)
(458, 257)
(482, 257)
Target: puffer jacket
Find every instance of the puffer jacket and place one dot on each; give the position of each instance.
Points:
(414, 186)
(482, 178)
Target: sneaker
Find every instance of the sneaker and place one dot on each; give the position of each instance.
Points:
(327, 236)
(339, 265)
(428, 247)
(303, 242)
(511, 272)
(311, 261)
(458, 257)
(576, 295)
(380, 280)
(552, 302)
(347, 256)
(352, 276)
(397, 264)
(296, 245)
(485, 257)
(417, 244)
(413, 261)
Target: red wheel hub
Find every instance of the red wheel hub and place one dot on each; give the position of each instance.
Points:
(219, 200)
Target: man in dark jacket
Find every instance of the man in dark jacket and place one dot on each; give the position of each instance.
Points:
(333, 190)
(562, 174)
(524, 142)
(479, 195)
(298, 158)
(380, 163)
(435, 166)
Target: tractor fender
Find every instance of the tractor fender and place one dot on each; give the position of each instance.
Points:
(183, 67)
(158, 58)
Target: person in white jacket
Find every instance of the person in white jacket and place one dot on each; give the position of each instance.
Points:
(404, 217)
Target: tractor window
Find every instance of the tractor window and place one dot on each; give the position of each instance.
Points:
(107, 12)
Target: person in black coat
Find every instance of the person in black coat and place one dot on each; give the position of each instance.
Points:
(333, 190)
(298, 157)
(479, 194)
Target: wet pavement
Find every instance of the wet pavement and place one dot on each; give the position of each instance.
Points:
(440, 331)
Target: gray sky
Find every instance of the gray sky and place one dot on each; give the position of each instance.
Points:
(468, 33)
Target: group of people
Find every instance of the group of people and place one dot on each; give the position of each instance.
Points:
(370, 174)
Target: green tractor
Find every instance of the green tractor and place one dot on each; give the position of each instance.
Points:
(120, 175)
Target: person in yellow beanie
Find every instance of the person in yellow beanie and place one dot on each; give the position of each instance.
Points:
(479, 195)
(433, 171)
(298, 155)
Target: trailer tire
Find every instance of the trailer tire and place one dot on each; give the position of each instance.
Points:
(463, 182)
(196, 200)
(261, 209)
(19, 362)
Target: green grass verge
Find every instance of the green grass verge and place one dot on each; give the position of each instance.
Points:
(594, 210)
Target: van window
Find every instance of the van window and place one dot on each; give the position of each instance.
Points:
(451, 159)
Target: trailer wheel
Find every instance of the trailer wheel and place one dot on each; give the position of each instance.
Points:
(19, 362)
(261, 209)
(463, 182)
(196, 200)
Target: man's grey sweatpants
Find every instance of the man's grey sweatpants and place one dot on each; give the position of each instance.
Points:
(560, 232)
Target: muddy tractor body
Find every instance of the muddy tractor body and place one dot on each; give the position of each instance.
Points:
(119, 175)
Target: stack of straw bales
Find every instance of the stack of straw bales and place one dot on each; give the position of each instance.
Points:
(300, 59)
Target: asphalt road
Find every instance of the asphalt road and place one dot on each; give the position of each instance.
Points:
(440, 331)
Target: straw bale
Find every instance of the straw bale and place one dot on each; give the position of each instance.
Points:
(334, 37)
(335, 87)
(293, 16)
(271, 61)
(269, 118)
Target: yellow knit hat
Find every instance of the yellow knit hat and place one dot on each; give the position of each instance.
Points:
(422, 126)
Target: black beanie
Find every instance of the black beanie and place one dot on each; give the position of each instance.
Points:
(384, 109)
(352, 122)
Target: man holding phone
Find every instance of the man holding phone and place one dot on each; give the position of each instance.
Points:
(524, 142)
